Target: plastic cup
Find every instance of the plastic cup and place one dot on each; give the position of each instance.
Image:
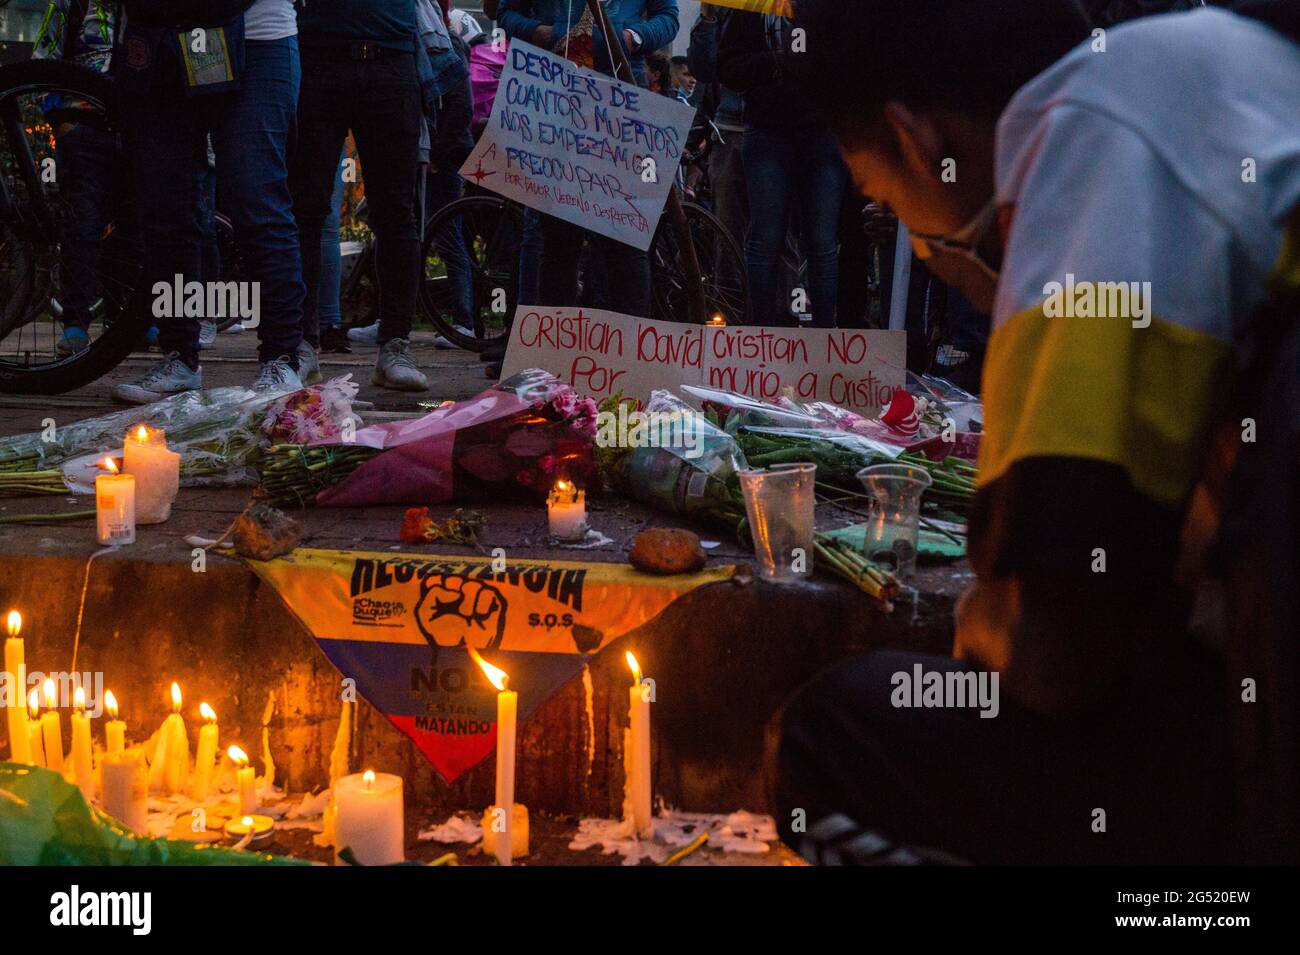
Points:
(895, 491)
(779, 502)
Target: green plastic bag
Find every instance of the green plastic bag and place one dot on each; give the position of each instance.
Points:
(44, 820)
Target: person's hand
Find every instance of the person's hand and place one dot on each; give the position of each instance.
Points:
(543, 36)
(630, 41)
(878, 223)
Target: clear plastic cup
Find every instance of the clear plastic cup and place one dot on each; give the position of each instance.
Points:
(779, 502)
(895, 491)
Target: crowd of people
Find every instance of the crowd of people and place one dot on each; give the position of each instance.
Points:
(1146, 676)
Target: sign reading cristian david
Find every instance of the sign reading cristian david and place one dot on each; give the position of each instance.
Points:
(602, 353)
(398, 625)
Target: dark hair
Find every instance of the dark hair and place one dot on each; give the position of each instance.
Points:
(966, 55)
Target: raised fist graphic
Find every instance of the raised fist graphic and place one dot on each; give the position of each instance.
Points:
(453, 609)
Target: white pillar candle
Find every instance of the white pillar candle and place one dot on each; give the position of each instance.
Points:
(16, 710)
(35, 743)
(114, 729)
(114, 506)
(52, 730)
(206, 754)
(369, 818)
(638, 777)
(566, 512)
(156, 471)
(83, 765)
(125, 781)
(245, 781)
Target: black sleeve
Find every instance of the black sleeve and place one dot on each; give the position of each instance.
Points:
(744, 60)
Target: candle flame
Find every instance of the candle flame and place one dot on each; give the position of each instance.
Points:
(142, 435)
(207, 712)
(15, 623)
(109, 465)
(368, 777)
(79, 699)
(110, 704)
(717, 319)
(496, 676)
(50, 697)
(238, 755)
(636, 667)
(247, 821)
(176, 697)
(33, 703)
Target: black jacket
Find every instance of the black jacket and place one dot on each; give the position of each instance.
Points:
(750, 61)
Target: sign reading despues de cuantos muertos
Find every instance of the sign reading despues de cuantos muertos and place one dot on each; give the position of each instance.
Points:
(602, 353)
(580, 146)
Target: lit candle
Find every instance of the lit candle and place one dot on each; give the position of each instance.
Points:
(35, 745)
(171, 755)
(566, 512)
(717, 320)
(114, 506)
(125, 780)
(83, 766)
(501, 812)
(114, 729)
(16, 710)
(258, 827)
(52, 729)
(638, 777)
(245, 782)
(156, 471)
(207, 753)
(369, 818)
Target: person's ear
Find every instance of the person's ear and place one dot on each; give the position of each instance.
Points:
(919, 141)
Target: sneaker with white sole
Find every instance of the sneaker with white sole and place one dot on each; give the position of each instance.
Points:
(170, 376)
(442, 341)
(366, 335)
(277, 375)
(396, 369)
(308, 363)
(207, 333)
(73, 340)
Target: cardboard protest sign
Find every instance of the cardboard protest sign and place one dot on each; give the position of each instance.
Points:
(601, 353)
(580, 146)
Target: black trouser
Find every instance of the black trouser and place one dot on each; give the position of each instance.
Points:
(379, 100)
(626, 269)
(1017, 788)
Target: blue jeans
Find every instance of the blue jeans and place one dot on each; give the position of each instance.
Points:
(331, 257)
(442, 186)
(251, 129)
(93, 179)
(783, 167)
(530, 260)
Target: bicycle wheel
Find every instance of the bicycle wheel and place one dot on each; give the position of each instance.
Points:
(471, 270)
(722, 266)
(48, 260)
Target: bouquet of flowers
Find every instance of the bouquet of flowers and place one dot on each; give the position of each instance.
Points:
(516, 438)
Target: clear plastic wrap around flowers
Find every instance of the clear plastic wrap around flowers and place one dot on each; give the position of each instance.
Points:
(219, 433)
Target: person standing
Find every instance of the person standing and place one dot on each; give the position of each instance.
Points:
(791, 160)
(242, 88)
(359, 73)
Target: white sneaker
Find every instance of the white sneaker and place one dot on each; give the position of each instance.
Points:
(170, 376)
(277, 376)
(369, 335)
(234, 328)
(442, 341)
(308, 363)
(207, 333)
(395, 368)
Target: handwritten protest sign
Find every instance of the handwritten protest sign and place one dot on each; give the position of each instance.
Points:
(580, 146)
(602, 353)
